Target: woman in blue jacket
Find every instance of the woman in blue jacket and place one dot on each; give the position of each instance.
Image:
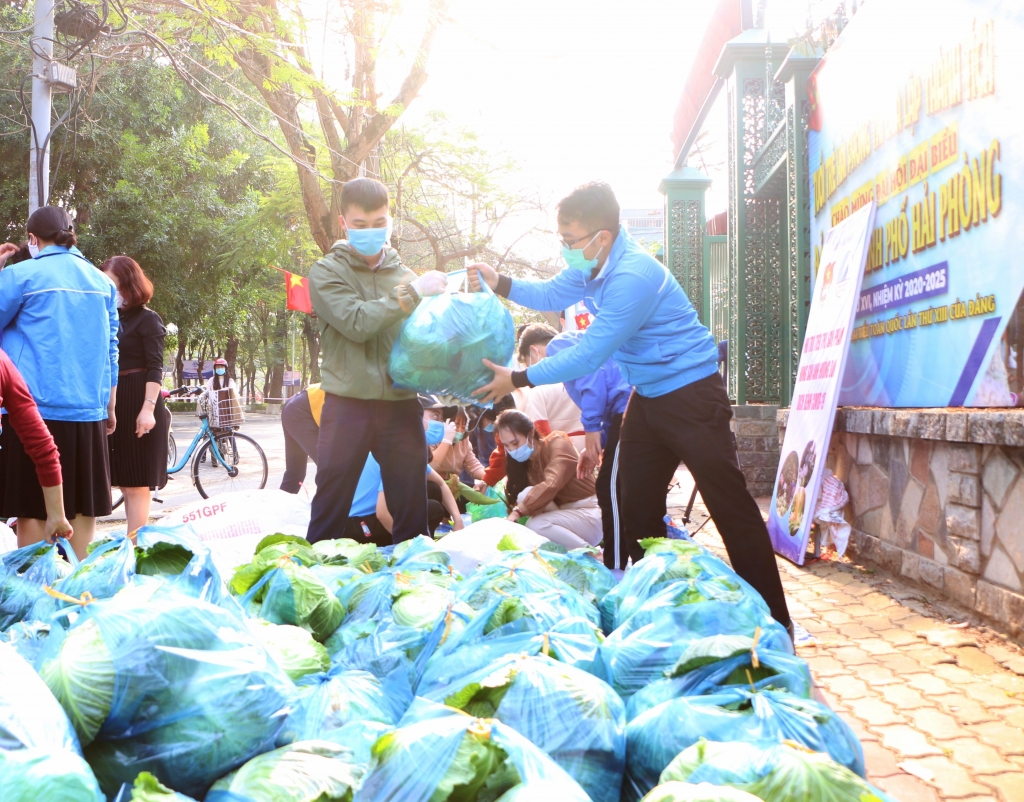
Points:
(59, 319)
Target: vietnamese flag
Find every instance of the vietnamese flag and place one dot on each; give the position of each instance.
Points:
(297, 289)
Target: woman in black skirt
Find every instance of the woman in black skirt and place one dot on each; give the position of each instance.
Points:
(138, 447)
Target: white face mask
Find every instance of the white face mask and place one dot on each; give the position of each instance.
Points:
(33, 248)
(119, 299)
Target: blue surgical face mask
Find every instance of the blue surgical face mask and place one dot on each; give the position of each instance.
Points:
(220, 371)
(435, 432)
(489, 427)
(521, 454)
(577, 261)
(369, 241)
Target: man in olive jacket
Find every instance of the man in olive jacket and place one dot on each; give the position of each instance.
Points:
(361, 293)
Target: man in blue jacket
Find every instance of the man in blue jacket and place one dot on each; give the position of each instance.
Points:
(602, 398)
(679, 410)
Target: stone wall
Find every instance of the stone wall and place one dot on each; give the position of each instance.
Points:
(938, 497)
(757, 445)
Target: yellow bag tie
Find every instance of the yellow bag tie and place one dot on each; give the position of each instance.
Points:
(286, 558)
(447, 626)
(542, 561)
(86, 597)
(753, 649)
(481, 727)
(546, 645)
(750, 679)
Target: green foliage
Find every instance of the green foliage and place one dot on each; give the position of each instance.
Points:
(169, 559)
(148, 788)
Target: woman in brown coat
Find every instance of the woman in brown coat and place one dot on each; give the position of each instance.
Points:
(543, 485)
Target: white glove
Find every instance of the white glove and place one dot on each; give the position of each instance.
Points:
(433, 282)
(449, 432)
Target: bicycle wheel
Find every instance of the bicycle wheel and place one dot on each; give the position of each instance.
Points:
(247, 466)
(117, 500)
(172, 450)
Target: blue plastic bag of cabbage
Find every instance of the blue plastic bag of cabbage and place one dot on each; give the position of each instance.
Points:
(715, 663)
(440, 755)
(25, 572)
(653, 639)
(765, 718)
(574, 717)
(155, 680)
(30, 717)
(443, 342)
(39, 753)
(535, 623)
(329, 702)
(774, 773)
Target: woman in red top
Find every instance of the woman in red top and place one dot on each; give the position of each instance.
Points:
(38, 442)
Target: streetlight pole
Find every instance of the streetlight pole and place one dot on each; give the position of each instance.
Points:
(42, 104)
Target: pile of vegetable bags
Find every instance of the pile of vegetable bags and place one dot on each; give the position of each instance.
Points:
(342, 671)
(442, 344)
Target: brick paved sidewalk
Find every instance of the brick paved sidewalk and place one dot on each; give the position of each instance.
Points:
(936, 698)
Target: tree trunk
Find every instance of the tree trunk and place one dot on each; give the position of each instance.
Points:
(276, 379)
(304, 363)
(231, 355)
(312, 336)
(179, 360)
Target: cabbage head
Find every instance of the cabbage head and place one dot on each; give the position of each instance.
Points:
(292, 648)
(34, 775)
(270, 551)
(702, 792)
(345, 551)
(293, 595)
(308, 771)
(775, 773)
(148, 788)
(480, 771)
(82, 678)
(424, 605)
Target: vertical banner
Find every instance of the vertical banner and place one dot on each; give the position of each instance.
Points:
(822, 361)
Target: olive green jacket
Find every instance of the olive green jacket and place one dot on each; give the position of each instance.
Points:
(359, 318)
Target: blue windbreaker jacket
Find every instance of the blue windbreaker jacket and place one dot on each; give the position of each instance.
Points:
(59, 319)
(642, 318)
(601, 395)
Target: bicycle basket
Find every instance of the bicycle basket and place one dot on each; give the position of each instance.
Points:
(225, 410)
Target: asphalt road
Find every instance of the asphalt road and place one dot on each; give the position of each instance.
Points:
(264, 429)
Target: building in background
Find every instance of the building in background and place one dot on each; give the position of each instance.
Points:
(646, 225)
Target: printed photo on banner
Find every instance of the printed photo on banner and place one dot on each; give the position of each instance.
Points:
(930, 134)
(834, 304)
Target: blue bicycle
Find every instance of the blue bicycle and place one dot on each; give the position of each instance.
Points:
(226, 461)
(223, 460)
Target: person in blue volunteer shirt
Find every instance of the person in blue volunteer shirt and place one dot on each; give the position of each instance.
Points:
(59, 318)
(679, 410)
(601, 397)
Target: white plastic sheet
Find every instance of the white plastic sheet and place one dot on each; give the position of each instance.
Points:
(232, 524)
